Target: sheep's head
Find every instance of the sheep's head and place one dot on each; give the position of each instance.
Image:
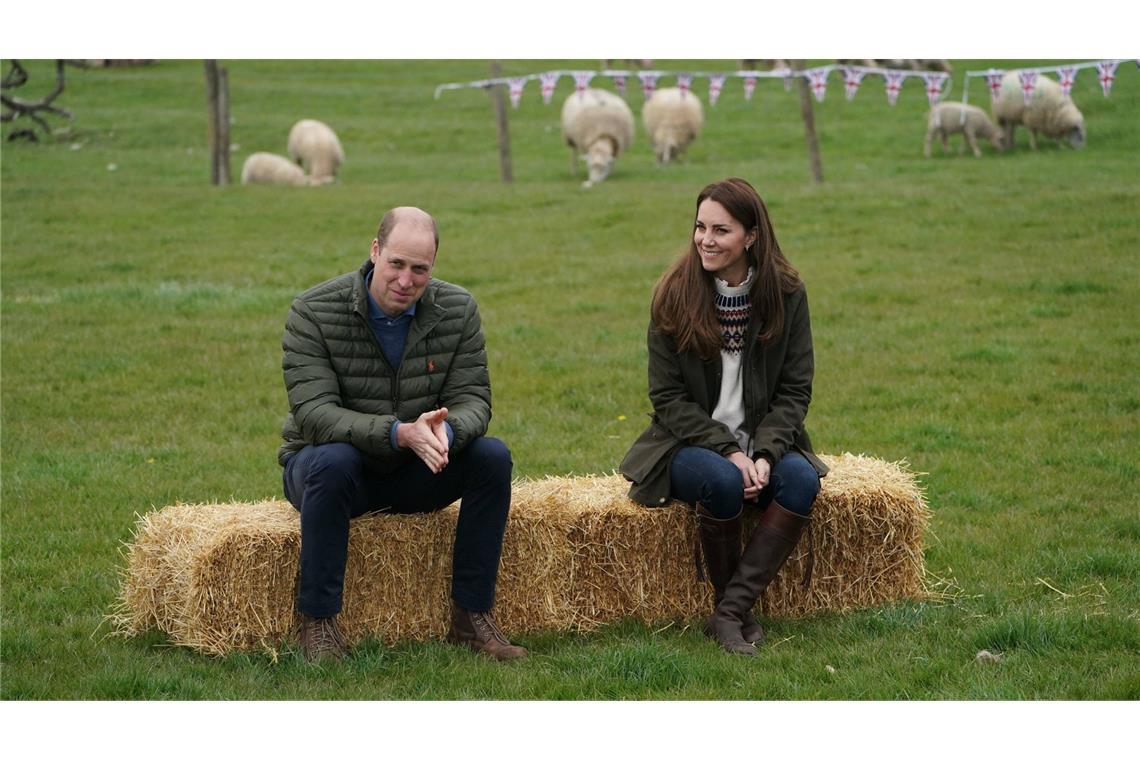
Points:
(997, 138)
(1073, 123)
(1076, 136)
(599, 160)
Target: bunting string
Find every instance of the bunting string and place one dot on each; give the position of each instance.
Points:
(936, 83)
(1065, 73)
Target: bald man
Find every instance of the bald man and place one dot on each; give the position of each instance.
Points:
(389, 401)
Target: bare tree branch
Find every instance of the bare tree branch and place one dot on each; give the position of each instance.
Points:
(32, 109)
(16, 77)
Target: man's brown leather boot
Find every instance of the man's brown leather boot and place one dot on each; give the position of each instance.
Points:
(321, 638)
(479, 631)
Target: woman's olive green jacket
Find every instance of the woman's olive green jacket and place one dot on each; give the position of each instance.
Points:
(684, 391)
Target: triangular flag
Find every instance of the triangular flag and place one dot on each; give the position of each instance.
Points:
(852, 78)
(1068, 76)
(684, 83)
(818, 79)
(934, 81)
(648, 83)
(582, 81)
(1106, 72)
(894, 84)
(1028, 81)
(716, 82)
(619, 84)
(993, 79)
(548, 80)
(749, 86)
(516, 88)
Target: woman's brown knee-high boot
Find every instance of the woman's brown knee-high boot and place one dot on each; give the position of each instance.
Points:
(720, 543)
(767, 551)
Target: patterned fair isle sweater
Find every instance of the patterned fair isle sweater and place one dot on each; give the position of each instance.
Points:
(733, 310)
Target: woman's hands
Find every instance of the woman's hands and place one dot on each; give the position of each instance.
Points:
(755, 474)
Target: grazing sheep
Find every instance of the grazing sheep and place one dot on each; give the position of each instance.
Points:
(1049, 112)
(632, 63)
(600, 125)
(314, 146)
(934, 64)
(756, 64)
(673, 119)
(906, 64)
(951, 118)
(272, 169)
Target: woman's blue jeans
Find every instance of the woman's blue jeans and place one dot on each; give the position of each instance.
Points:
(702, 475)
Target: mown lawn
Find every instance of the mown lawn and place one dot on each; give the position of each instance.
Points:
(977, 318)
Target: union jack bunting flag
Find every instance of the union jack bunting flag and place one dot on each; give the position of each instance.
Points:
(894, 84)
(716, 82)
(648, 83)
(818, 79)
(1068, 76)
(993, 80)
(1028, 81)
(685, 83)
(749, 86)
(852, 78)
(548, 80)
(582, 81)
(516, 88)
(619, 84)
(1106, 72)
(934, 81)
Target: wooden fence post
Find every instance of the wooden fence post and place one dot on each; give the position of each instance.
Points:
(218, 102)
(807, 111)
(504, 131)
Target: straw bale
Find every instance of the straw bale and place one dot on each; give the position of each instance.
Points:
(577, 554)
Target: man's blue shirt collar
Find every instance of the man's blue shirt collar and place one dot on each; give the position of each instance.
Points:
(374, 310)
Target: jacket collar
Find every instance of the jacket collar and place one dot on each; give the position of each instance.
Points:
(428, 311)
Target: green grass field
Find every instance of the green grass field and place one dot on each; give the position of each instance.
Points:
(977, 318)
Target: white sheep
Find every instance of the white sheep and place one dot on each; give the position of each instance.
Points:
(272, 169)
(1048, 112)
(598, 124)
(934, 64)
(314, 146)
(951, 118)
(673, 119)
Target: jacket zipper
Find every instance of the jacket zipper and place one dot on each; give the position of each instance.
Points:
(395, 384)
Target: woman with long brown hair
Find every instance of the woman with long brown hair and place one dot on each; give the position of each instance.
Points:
(730, 378)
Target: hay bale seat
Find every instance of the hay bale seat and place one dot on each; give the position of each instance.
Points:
(577, 554)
